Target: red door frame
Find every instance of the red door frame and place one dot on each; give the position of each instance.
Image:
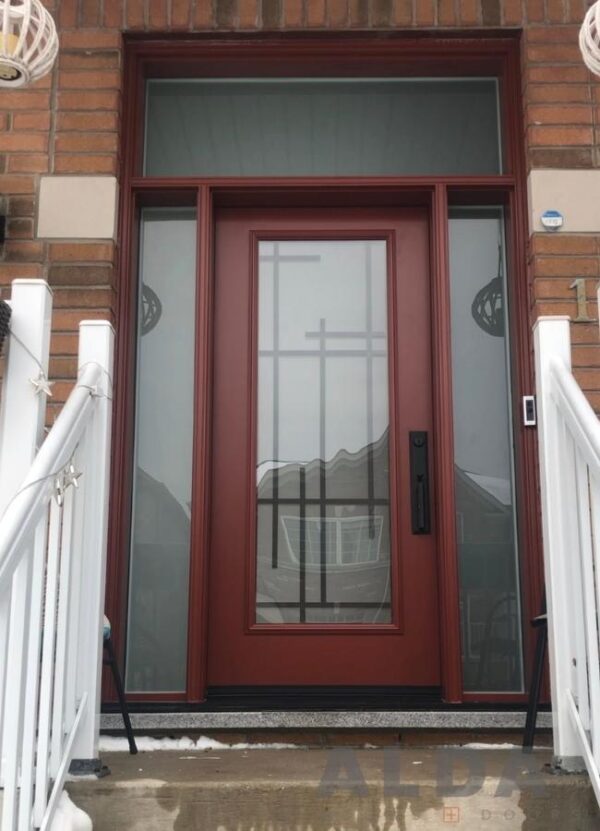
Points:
(397, 54)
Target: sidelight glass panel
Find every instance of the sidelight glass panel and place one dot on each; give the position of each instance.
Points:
(160, 543)
(323, 516)
(483, 446)
(322, 126)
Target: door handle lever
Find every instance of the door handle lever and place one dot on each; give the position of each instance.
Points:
(419, 482)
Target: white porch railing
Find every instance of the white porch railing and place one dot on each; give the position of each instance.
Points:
(569, 443)
(53, 507)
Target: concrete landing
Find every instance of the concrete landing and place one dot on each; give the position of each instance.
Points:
(383, 789)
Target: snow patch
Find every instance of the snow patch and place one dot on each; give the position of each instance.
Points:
(145, 744)
(68, 817)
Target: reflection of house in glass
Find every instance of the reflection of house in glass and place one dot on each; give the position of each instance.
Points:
(489, 584)
(323, 539)
(157, 637)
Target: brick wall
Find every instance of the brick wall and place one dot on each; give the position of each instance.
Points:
(69, 123)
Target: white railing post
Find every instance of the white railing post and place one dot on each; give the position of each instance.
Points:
(96, 344)
(22, 415)
(559, 522)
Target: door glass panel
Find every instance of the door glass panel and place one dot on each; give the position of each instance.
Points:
(322, 126)
(483, 446)
(160, 543)
(323, 508)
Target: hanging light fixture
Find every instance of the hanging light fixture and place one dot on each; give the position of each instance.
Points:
(28, 42)
(589, 39)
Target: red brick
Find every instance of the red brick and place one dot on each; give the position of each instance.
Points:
(23, 142)
(559, 115)
(535, 10)
(512, 12)
(69, 319)
(560, 157)
(83, 298)
(315, 12)
(381, 13)
(424, 13)
(90, 39)
(28, 163)
(203, 15)
(135, 18)
(31, 121)
(24, 251)
(16, 184)
(337, 13)
(89, 13)
(469, 11)
(557, 136)
(586, 356)
(80, 163)
(552, 34)
(358, 14)
(81, 275)
(19, 229)
(555, 11)
(564, 244)
(558, 74)
(88, 100)
(63, 343)
(157, 14)
(21, 206)
(270, 14)
(554, 53)
(83, 252)
(68, 14)
(567, 93)
(90, 80)
(180, 14)
(86, 142)
(293, 13)
(561, 289)
(99, 121)
(13, 271)
(90, 60)
(113, 14)
(566, 267)
(24, 100)
(403, 12)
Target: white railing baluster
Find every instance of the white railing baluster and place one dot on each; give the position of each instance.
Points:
(42, 777)
(62, 639)
(18, 633)
(552, 342)
(29, 751)
(96, 346)
(588, 652)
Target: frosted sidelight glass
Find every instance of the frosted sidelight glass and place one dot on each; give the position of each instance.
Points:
(322, 126)
(483, 446)
(322, 477)
(160, 537)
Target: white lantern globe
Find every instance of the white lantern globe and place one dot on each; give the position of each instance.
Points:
(589, 39)
(28, 42)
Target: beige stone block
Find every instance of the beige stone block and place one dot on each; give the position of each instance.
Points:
(77, 207)
(575, 193)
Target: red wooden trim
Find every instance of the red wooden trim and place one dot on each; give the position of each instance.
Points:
(199, 539)
(443, 454)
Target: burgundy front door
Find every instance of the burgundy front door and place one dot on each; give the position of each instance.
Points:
(323, 550)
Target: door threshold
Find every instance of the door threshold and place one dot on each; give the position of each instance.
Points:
(327, 720)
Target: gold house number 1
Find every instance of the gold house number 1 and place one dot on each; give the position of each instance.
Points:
(582, 302)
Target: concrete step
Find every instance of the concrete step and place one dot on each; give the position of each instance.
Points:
(356, 789)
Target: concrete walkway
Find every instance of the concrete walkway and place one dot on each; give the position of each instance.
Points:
(384, 789)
